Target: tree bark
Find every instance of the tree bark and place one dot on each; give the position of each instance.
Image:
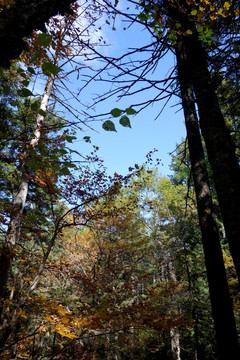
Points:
(174, 332)
(21, 19)
(20, 200)
(175, 344)
(226, 334)
(220, 148)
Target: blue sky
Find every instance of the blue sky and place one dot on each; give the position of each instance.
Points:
(129, 146)
(126, 147)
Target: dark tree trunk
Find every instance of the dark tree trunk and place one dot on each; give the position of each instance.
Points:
(226, 334)
(21, 19)
(220, 148)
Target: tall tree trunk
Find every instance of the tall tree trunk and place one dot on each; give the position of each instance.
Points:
(175, 344)
(220, 148)
(174, 332)
(226, 334)
(20, 200)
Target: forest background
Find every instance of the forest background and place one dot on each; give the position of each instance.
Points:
(99, 264)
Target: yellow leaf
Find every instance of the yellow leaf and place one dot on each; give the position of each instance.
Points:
(213, 16)
(22, 314)
(194, 12)
(60, 309)
(227, 5)
(222, 12)
(201, 14)
(51, 318)
(64, 331)
(188, 32)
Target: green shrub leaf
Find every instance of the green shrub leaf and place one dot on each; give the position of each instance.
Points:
(109, 126)
(116, 112)
(124, 121)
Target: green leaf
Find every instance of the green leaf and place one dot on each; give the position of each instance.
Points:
(109, 126)
(25, 82)
(35, 106)
(22, 73)
(55, 157)
(44, 39)
(35, 56)
(130, 111)
(42, 112)
(54, 151)
(124, 121)
(116, 112)
(31, 70)
(69, 164)
(143, 17)
(87, 139)
(32, 218)
(61, 151)
(69, 138)
(49, 68)
(65, 171)
(24, 92)
(30, 117)
(20, 70)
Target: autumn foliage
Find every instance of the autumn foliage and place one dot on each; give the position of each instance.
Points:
(94, 266)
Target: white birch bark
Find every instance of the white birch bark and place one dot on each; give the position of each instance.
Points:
(175, 344)
(174, 332)
(21, 196)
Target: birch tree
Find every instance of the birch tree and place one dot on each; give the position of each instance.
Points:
(47, 52)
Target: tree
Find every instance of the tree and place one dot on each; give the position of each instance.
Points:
(220, 148)
(189, 42)
(210, 237)
(41, 158)
(19, 19)
(166, 21)
(126, 300)
(107, 289)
